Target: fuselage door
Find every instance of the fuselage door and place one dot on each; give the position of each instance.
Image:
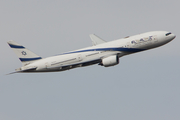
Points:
(79, 57)
(128, 45)
(155, 38)
(47, 65)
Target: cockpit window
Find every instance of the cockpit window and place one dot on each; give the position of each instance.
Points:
(168, 33)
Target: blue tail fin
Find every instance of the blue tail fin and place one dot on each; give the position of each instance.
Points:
(25, 55)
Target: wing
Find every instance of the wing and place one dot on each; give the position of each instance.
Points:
(96, 40)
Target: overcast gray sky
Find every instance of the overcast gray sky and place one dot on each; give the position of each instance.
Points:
(144, 86)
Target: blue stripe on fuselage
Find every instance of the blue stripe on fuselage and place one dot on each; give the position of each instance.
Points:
(132, 50)
(29, 59)
(15, 46)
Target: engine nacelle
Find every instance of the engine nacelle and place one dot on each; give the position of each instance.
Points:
(110, 61)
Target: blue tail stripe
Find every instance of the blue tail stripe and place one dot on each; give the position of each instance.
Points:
(29, 59)
(16, 46)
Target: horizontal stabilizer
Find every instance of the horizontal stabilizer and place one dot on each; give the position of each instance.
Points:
(96, 40)
(25, 70)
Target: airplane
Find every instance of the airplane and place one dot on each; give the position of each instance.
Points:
(101, 52)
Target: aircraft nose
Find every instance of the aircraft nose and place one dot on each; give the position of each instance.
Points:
(170, 36)
(173, 36)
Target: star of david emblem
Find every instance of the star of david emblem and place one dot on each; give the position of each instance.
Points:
(24, 53)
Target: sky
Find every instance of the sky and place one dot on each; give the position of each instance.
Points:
(144, 86)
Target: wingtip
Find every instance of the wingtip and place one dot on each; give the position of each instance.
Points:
(10, 41)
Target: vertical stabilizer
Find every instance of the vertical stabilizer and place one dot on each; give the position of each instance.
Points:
(25, 55)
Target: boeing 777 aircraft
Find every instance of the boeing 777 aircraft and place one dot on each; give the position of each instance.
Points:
(102, 53)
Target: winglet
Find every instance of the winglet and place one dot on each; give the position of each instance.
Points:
(96, 40)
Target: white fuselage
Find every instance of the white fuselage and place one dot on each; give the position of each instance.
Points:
(96, 54)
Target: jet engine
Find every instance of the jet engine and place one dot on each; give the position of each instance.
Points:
(110, 61)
